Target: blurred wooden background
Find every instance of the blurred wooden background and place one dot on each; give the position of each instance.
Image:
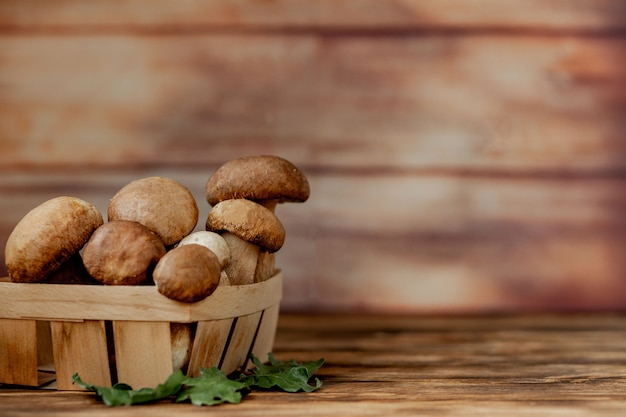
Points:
(463, 155)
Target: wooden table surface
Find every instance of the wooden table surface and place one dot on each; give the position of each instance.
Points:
(539, 365)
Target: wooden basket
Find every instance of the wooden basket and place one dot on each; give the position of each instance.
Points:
(123, 333)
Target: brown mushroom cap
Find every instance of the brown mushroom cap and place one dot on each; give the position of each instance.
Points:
(249, 221)
(48, 236)
(258, 178)
(188, 273)
(122, 252)
(211, 240)
(161, 204)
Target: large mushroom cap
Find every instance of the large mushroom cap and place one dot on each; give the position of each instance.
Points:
(122, 252)
(248, 220)
(48, 236)
(258, 178)
(161, 204)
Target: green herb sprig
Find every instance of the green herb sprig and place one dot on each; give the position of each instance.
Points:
(212, 386)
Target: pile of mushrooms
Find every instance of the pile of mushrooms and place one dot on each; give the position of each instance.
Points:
(148, 237)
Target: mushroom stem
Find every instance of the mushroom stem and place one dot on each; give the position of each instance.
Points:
(269, 204)
(243, 259)
(265, 268)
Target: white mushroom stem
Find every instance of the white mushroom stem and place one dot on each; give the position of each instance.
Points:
(243, 259)
(182, 340)
(265, 268)
(269, 204)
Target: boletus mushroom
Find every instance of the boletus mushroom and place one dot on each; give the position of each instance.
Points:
(265, 179)
(248, 228)
(48, 236)
(187, 273)
(215, 243)
(122, 252)
(162, 204)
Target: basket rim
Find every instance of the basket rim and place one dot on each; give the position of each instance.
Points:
(64, 302)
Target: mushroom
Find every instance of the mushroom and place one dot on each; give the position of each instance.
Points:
(265, 179)
(187, 273)
(161, 204)
(215, 243)
(247, 227)
(122, 252)
(48, 236)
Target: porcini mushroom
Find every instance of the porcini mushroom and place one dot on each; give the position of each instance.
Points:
(122, 252)
(187, 273)
(215, 243)
(247, 227)
(161, 204)
(265, 179)
(48, 236)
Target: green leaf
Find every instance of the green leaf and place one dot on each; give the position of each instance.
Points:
(210, 388)
(288, 376)
(123, 394)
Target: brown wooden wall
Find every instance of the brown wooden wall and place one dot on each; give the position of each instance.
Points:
(463, 156)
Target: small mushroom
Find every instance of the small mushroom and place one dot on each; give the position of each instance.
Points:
(161, 204)
(187, 273)
(248, 228)
(215, 243)
(48, 236)
(122, 252)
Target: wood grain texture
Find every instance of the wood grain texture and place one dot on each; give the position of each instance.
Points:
(519, 365)
(210, 341)
(80, 348)
(131, 303)
(18, 343)
(143, 353)
(479, 103)
(324, 14)
(462, 157)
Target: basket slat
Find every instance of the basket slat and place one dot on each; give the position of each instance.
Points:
(209, 344)
(18, 345)
(136, 303)
(81, 348)
(240, 342)
(264, 341)
(143, 352)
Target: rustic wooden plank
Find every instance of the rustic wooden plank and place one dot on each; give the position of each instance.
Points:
(420, 365)
(499, 242)
(528, 103)
(80, 348)
(360, 14)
